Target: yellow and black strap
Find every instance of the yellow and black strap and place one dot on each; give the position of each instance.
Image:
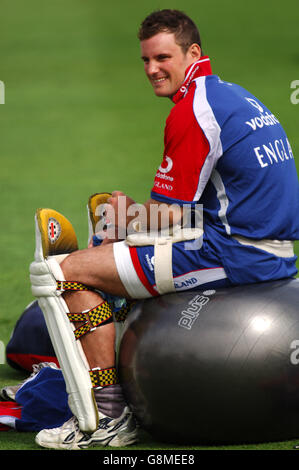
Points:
(96, 316)
(121, 315)
(103, 377)
(72, 285)
(92, 318)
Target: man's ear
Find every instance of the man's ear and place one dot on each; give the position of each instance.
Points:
(195, 51)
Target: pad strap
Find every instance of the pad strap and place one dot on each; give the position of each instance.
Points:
(71, 285)
(121, 315)
(103, 377)
(96, 316)
(92, 318)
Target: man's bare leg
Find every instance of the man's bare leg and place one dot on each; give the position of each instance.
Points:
(95, 267)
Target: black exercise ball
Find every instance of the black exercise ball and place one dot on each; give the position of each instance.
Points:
(215, 366)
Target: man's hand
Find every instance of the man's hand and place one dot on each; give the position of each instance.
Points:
(128, 216)
(118, 212)
(120, 203)
(123, 216)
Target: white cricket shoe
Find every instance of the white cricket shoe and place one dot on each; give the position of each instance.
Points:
(115, 432)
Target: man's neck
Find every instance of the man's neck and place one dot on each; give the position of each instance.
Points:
(199, 68)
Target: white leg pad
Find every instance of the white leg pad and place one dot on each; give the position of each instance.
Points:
(69, 352)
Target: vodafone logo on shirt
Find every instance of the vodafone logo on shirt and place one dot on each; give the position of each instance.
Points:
(168, 167)
(163, 169)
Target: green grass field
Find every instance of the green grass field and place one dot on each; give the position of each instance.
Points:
(80, 117)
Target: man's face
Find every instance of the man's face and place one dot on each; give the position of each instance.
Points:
(165, 63)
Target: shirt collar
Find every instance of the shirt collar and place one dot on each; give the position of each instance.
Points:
(200, 68)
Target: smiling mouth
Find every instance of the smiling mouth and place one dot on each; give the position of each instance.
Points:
(158, 81)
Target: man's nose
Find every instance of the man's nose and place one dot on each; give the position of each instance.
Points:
(152, 67)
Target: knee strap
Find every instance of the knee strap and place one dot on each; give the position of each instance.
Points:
(92, 318)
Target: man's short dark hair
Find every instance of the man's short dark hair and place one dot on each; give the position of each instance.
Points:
(171, 21)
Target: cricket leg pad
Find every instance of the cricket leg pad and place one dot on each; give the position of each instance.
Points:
(46, 275)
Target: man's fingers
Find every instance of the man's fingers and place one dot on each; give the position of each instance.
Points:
(114, 196)
(117, 193)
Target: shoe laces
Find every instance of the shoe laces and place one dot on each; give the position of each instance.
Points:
(104, 423)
